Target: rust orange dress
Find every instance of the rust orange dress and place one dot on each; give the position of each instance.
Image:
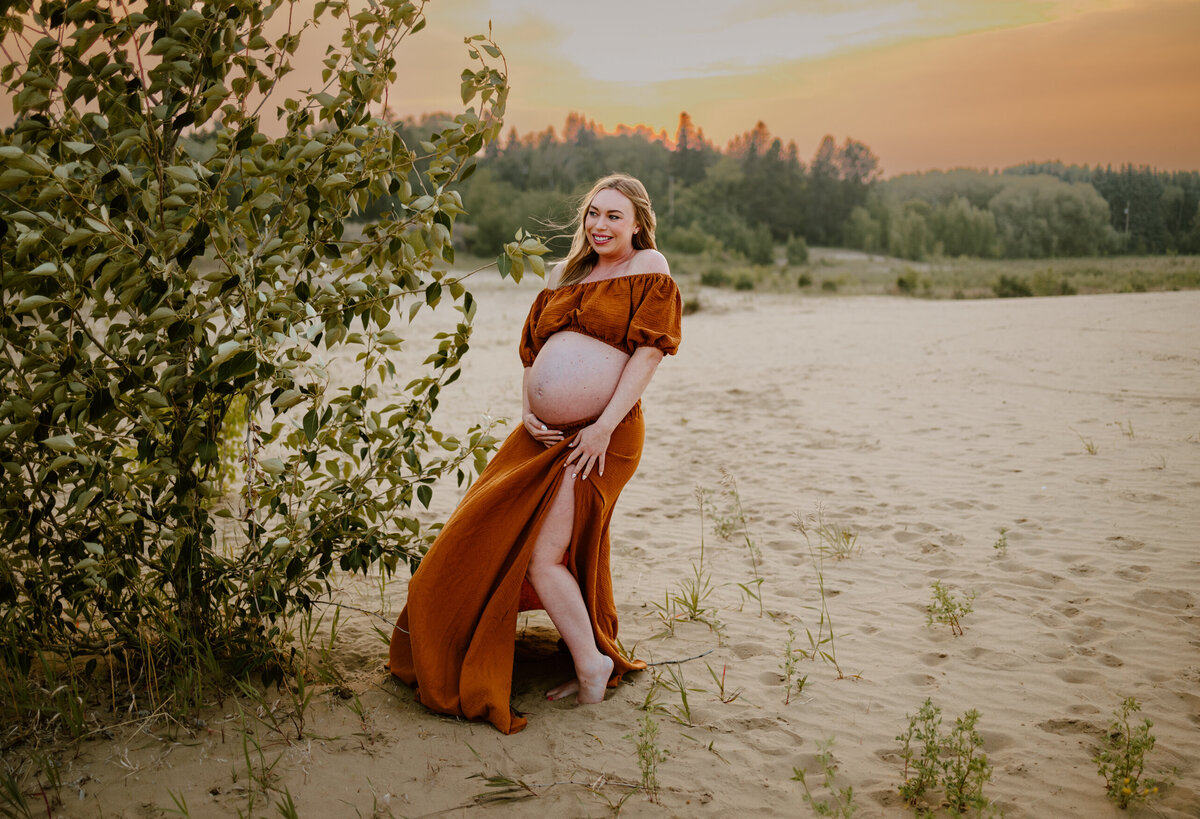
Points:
(454, 641)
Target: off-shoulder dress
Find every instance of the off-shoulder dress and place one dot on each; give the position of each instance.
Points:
(454, 640)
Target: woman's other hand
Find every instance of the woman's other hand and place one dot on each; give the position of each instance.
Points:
(540, 431)
(587, 450)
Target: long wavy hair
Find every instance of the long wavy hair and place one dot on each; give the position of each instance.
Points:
(582, 258)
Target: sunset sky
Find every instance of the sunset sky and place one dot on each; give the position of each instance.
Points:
(926, 84)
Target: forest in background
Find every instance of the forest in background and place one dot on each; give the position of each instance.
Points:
(757, 192)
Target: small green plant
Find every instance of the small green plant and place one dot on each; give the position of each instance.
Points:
(838, 542)
(1126, 427)
(677, 684)
(722, 694)
(823, 643)
(649, 755)
(804, 280)
(505, 790)
(1121, 760)
(691, 601)
(650, 702)
(181, 805)
(1089, 445)
(840, 801)
(743, 282)
(12, 796)
(829, 286)
(955, 761)
(788, 666)
(1001, 544)
(921, 749)
(727, 526)
(947, 609)
(965, 768)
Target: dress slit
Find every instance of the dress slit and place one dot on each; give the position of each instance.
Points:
(454, 640)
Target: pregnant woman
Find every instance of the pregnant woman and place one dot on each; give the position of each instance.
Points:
(532, 532)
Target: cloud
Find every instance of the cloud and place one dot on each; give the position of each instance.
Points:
(634, 42)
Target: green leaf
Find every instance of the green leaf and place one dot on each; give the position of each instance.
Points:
(30, 303)
(287, 398)
(155, 399)
(225, 350)
(60, 443)
(425, 494)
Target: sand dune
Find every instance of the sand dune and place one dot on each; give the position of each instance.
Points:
(924, 428)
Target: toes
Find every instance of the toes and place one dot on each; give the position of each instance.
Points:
(564, 690)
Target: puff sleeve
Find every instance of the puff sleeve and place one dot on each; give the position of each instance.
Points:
(657, 316)
(530, 343)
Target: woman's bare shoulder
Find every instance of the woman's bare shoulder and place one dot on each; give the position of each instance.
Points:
(555, 275)
(650, 261)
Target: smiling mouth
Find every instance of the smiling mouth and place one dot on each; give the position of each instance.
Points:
(601, 239)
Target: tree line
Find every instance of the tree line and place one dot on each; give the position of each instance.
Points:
(757, 192)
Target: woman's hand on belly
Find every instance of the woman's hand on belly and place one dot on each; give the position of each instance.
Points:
(540, 432)
(588, 449)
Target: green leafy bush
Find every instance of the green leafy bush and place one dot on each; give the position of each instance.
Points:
(797, 250)
(955, 761)
(714, 277)
(1121, 760)
(1011, 287)
(150, 281)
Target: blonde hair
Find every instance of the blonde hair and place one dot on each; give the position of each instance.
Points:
(582, 258)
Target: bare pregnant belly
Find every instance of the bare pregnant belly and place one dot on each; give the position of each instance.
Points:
(573, 378)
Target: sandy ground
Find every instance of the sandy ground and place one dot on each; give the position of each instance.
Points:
(922, 427)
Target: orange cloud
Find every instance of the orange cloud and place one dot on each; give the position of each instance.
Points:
(1110, 86)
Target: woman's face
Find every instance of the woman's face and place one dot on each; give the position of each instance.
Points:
(610, 223)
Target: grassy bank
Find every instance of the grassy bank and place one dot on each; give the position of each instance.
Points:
(835, 271)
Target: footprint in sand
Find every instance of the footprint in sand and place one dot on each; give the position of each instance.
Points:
(1133, 573)
(1142, 497)
(1070, 727)
(1079, 676)
(1125, 544)
(1172, 600)
(744, 651)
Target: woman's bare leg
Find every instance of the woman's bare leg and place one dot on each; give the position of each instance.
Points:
(559, 593)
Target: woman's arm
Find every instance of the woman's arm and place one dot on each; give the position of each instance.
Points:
(591, 443)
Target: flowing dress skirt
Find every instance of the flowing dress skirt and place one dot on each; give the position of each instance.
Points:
(454, 641)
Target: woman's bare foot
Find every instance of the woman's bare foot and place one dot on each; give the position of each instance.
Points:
(594, 681)
(562, 691)
(589, 685)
